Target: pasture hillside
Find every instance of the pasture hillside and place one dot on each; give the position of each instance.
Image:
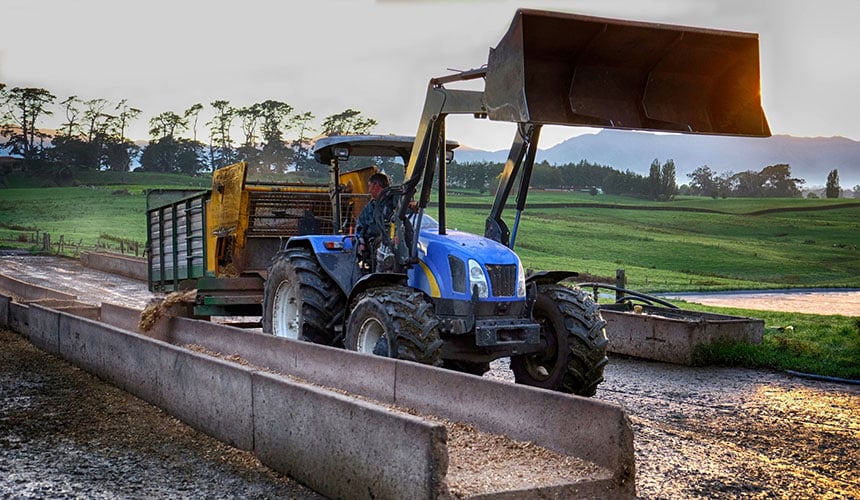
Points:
(691, 243)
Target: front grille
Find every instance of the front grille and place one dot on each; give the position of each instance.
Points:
(503, 279)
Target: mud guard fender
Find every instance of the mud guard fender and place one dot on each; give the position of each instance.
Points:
(377, 280)
(550, 277)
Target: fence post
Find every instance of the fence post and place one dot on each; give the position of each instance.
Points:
(620, 282)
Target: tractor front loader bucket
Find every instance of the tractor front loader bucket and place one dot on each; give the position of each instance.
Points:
(566, 69)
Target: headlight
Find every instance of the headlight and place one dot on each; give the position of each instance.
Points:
(477, 278)
(521, 280)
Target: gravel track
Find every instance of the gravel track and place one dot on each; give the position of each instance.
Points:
(698, 432)
(64, 434)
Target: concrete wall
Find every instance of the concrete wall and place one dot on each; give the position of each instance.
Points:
(27, 292)
(18, 317)
(130, 267)
(4, 310)
(673, 336)
(589, 429)
(339, 445)
(344, 447)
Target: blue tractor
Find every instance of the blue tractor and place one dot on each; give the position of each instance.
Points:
(433, 295)
(455, 299)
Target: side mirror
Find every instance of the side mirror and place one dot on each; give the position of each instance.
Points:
(449, 156)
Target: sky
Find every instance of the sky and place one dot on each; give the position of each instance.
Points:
(377, 56)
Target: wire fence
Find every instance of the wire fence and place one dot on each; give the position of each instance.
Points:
(45, 243)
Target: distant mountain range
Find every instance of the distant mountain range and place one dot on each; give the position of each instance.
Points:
(810, 158)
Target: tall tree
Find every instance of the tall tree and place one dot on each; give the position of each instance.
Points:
(702, 181)
(72, 127)
(100, 130)
(4, 113)
(167, 124)
(25, 106)
(193, 114)
(746, 184)
(118, 152)
(250, 118)
(221, 152)
(70, 148)
(723, 184)
(171, 154)
(166, 151)
(777, 181)
(276, 155)
(655, 180)
(832, 189)
(668, 186)
(95, 117)
(301, 145)
(126, 114)
(348, 122)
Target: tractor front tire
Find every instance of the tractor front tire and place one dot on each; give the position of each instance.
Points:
(299, 300)
(396, 322)
(573, 333)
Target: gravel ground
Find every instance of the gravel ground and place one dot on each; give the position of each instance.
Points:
(698, 432)
(64, 434)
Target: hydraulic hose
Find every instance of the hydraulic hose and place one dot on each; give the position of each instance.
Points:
(823, 378)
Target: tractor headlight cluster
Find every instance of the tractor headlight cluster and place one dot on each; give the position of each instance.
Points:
(477, 278)
(521, 280)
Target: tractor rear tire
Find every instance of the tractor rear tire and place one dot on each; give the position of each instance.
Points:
(396, 322)
(573, 332)
(299, 300)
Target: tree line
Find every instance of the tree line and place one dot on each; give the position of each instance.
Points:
(274, 137)
(660, 183)
(581, 176)
(771, 181)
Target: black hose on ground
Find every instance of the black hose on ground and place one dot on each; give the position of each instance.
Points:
(824, 378)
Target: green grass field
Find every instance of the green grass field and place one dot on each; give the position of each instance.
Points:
(809, 343)
(689, 244)
(678, 250)
(660, 250)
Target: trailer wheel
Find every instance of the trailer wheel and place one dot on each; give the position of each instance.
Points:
(299, 300)
(396, 322)
(573, 332)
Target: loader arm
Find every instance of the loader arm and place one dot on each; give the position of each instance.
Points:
(567, 69)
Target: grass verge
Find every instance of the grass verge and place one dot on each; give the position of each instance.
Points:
(826, 345)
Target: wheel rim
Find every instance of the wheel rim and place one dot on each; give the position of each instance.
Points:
(369, 334)
(286, 311)
(540, 366)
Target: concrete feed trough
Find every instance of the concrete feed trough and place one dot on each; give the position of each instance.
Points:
(673, 335)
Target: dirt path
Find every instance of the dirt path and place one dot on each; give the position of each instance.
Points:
(846, 303)
(699, 432)
(730, 432)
